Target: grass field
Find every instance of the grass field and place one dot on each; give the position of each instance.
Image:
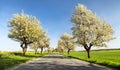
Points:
(109, 58)
(9, 59)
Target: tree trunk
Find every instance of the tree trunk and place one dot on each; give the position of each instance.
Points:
(88, 49)
(24, 50)
(68, 51)
(88, 53)
(24, 47)
(41, 50)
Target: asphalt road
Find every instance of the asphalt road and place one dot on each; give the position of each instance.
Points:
(58, 62)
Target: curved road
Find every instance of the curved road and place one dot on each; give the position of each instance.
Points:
(58, 62)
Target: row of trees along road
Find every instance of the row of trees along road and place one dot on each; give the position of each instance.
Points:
(27, 30)
(89, 30)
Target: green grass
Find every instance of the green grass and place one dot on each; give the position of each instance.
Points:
(109, 58)
(9, 59)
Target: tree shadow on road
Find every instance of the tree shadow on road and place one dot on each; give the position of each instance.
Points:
(52, 65)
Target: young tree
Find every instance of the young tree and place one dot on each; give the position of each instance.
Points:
(67, 42)
(60, 47)
(34, 47)
(89, 30)
(39, 36)
(43, 42)
(24, 29)
(50, 49)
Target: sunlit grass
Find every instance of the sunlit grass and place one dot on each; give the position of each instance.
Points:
(9, 59)
(109, 58)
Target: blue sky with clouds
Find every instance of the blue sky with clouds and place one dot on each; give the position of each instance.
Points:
(55, 15)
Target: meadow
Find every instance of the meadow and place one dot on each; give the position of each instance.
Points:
(110, 58)
(9, 59)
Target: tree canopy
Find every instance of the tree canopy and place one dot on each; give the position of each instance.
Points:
(90, 30)
(41, 42)
(24, 29)
(66, 42)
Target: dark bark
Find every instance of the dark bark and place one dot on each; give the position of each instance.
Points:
(88, 52)
(68, 51)
(24, 46)
(41, 50)
(87, 48)
(29, 42)
(21, 45)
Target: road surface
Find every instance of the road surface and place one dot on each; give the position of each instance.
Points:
(58, 62)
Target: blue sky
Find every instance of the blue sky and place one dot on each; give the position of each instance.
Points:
(54, 16)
